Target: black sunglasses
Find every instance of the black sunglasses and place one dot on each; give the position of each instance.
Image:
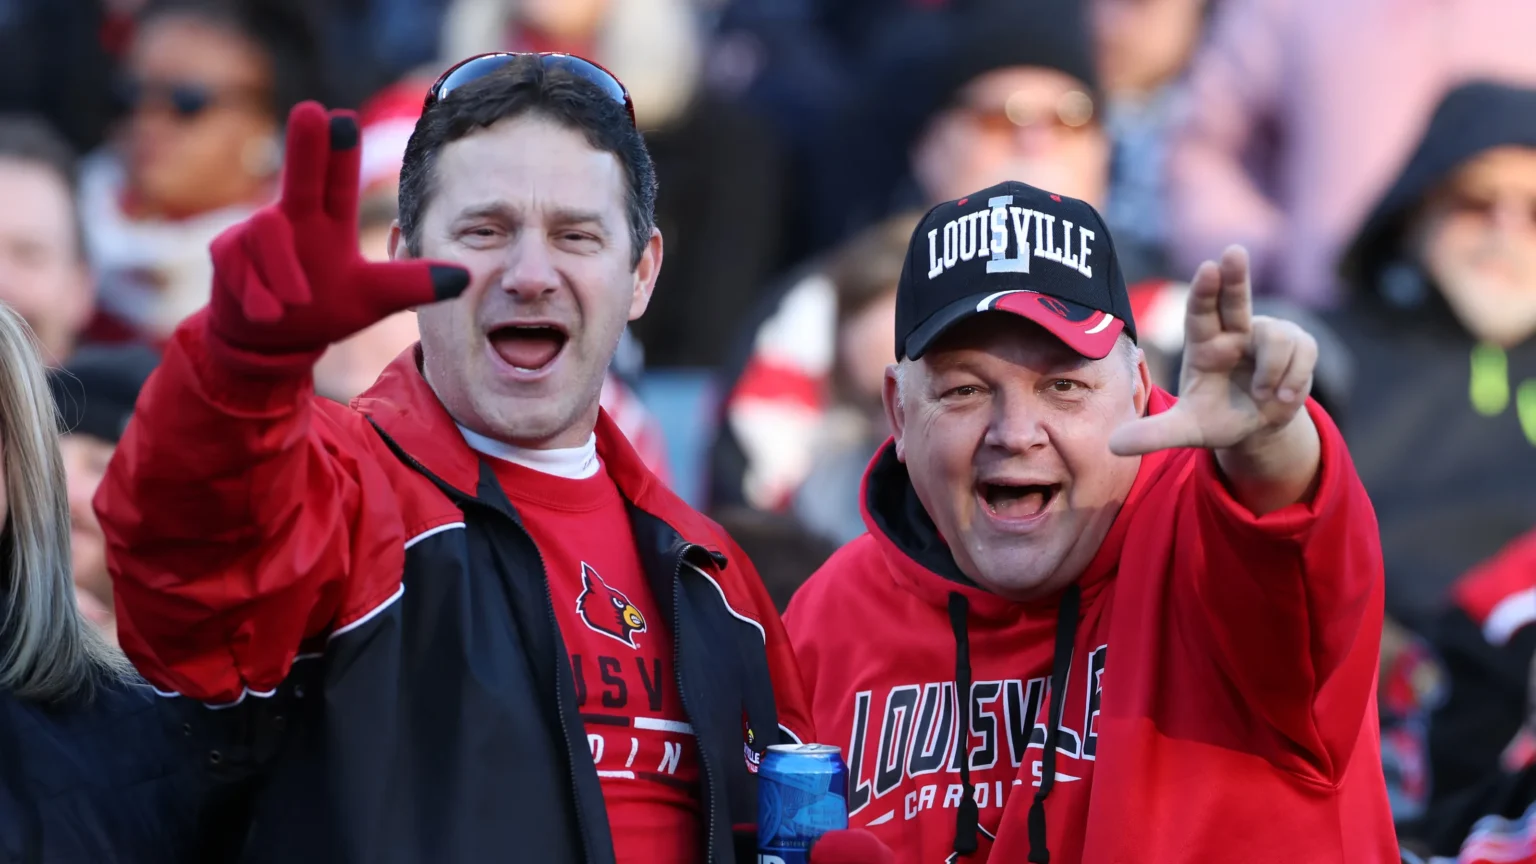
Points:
(481, 65)
(186, 99)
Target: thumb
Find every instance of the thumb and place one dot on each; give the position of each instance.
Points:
(394, 286)
(1165, 431)
(851, 846)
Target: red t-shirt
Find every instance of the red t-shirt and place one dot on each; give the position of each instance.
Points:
(621, 654)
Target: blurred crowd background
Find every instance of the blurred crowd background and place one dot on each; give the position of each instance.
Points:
(1377, 157)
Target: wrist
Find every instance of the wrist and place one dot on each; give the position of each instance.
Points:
(227, 352)
(1274, 468)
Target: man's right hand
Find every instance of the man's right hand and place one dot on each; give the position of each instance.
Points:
(290, 280)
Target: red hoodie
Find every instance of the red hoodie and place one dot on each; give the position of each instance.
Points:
(1235, 719)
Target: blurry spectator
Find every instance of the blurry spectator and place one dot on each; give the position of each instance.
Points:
(721, 182)
(1142, 47)
(206, 82)
(56, 61)
(1004, 93)
(94, 394)
(43, 274)
(1300, 109)
(863, 275)
(780, 548)
(1442, 321)
(1482, 731)
(957, 99)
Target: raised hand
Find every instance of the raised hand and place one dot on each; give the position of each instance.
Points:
(290, 280)
(1243, 375)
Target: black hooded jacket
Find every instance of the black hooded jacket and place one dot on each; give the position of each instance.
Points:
(109, 780)
(1435, 421)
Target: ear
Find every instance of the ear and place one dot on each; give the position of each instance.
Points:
(890, 395)
(1142, 393)
(397, 249)
(645, 275)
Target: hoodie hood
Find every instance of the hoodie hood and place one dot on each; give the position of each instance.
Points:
(1471, 119)
(920, 557)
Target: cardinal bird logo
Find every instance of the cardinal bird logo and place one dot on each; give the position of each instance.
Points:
(607, 610)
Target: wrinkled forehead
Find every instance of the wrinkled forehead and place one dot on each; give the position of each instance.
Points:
(530, 166)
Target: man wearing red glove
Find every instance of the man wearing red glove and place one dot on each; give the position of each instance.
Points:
(1161, 617)
(456, 621)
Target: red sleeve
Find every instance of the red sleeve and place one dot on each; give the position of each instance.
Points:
(234, 511)
(1293, 600)
(790, 701)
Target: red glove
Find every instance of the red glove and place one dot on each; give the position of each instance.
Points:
(289, 281)
(851, 846)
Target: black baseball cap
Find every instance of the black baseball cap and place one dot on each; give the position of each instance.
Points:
(1013, 248)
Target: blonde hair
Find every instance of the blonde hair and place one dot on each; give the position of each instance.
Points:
(48, 651)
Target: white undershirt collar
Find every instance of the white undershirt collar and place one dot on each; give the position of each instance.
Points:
(572, 463)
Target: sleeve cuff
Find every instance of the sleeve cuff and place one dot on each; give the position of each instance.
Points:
(1295, 520)
(240, 382)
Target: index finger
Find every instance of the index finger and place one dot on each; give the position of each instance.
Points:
(304, 160)
(1236, 291)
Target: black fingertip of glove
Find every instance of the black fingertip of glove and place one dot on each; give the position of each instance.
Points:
(448, 282)
(343, 133)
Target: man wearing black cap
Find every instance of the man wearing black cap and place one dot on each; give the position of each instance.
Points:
(95, 393)
(1043, 505)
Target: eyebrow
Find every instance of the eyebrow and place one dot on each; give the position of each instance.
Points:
(558, 216)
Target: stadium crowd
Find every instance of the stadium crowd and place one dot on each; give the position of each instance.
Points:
(1378, 160)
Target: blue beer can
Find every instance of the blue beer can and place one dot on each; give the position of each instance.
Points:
(802, 793)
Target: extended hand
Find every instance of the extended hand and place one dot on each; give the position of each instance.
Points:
(290, 280)
(1243, 376)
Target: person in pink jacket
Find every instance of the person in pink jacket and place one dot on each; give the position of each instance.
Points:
(1302, 111)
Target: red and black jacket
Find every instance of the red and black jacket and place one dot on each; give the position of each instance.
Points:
(350, 591)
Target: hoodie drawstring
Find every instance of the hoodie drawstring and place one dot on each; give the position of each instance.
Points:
(1061, 664)
(966, 817)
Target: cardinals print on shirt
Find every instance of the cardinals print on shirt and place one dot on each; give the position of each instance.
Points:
(607, 610)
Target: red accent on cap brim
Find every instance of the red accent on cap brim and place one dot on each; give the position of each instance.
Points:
(1092, 337)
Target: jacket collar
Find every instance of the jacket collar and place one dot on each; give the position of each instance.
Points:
(920, 560)
(404, 405)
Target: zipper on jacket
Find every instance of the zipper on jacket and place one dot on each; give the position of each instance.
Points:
(682, 695)
(565, 729)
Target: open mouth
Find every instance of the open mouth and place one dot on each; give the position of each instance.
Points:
(1017, 501)
(528, 348)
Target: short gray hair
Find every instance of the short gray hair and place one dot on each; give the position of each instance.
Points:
(48, 651)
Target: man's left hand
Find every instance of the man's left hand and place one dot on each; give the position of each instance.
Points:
(1244, 376)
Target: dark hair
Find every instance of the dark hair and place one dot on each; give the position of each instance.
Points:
(285, 31)
(27, 138)
(525, 87)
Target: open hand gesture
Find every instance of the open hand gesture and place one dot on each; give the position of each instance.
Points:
(1243, 375)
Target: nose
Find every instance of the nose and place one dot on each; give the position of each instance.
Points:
(1016, 427)
(531, 272)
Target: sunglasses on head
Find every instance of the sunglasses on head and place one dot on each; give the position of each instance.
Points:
(479, 66)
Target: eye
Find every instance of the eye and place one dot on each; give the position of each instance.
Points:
(1064, 385)
(963, 391)
(617, 603)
